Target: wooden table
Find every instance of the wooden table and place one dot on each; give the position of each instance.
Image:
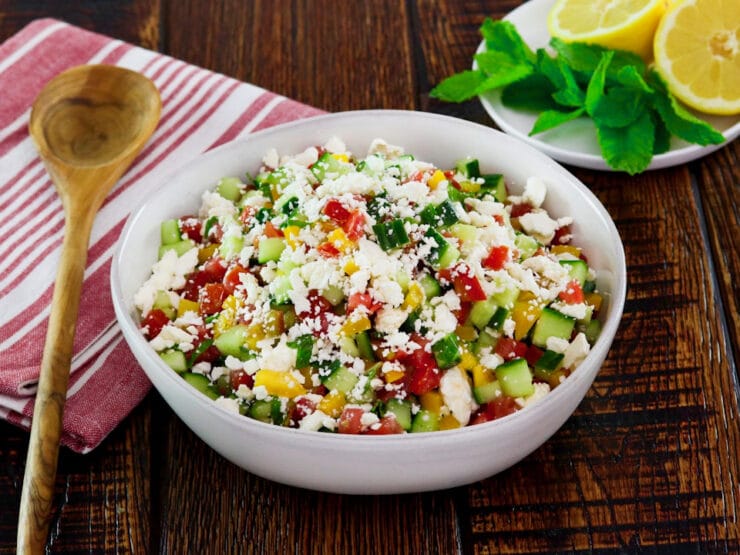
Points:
(649, 462)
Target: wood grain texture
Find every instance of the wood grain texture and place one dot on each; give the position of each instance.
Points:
(649, 462)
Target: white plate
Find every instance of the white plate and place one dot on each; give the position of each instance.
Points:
(575, 142)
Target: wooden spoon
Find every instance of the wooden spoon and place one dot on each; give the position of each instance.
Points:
(88, 124)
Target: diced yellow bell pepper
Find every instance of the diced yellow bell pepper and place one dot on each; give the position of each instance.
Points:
(350, 267)
(342, 157)
(279, 384)
(468, 361)
(338, 239)
(525, 313)
(227, 316)
(594, 299)
(469, 186)
(206, 252)
(393, 376)
(414, 297)
(186, 305)
(482, 375)
(432, 401)
(255, 334)
(436, 178)
(291, 235)
(355, 326)
(566, 249)
(332, 403)
(466, 333)
(448, 422)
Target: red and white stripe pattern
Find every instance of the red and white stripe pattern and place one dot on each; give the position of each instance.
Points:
(200, 110)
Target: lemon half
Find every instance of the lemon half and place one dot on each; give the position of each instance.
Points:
(697, 52)
(619, 24)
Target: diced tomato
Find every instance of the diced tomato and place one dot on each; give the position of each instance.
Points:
(153, 322)
(247, 215)
(498, 408)
(466, 284)
(354, 227)
(520, 209)
(303, 407)
(215, 269)
(350, 421)
(422, 374)
(387, 425)
(463, 312)
(319, 309)
(193, 284)
(450, 176)
(398, 391)
(240, 377)
(211, 298)
(211, 353)
(416, 176)
(496, 259)
(336, 211)
(562, 236)
(215, 233)
(272, 231)
(572, 294)
(499, 219)
(533, 354)
(508, 348)
(232, 277)
(356, 300)
(190, 227)
(327, 250)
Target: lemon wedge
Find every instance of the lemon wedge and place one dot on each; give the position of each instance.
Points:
(619, 24)
(697, 52)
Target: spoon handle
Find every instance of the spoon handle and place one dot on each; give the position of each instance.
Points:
(41, 462)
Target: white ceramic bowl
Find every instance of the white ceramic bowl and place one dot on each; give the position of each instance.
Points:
(373, 464)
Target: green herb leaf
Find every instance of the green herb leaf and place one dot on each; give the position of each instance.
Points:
(502, 36)
(501, 69)
(632, 79)
(678, 120)
(533, 93)
(595, 90)
(460, 87)
(662, 135)
(619, 107)
(568, 92)
(552, 118)
(586, 57)
(629, 148)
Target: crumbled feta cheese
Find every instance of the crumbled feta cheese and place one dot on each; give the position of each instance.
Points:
(539, 225)
(540, 391)
(228, 404)
(576, 351)
(368, 419)
(457, 394)
(167, 273)
(216, 205)
(316, 420)
(388, 320)
(170, 336)
(534, 192)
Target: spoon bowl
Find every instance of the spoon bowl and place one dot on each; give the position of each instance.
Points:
(88, 124)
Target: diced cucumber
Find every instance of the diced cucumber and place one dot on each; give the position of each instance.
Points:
(348, 346)
(498, 319)
(401, 409)
(484, 340)
(430, 286)
(515, 378)
(175, 360)
(403, 280)
(365, 348)
(468, 234)
(526, 244)
(589, 286)
(482, 312)
(232, 340)
(231, 246)
(447, 351)
(445, 214)
(169, 232)
(448, 257)
(493, 184)
(550, 360)
(163, 302)
(552, 323)
(334, 294)
(261, 410)
(487, 392)
(593, 330)
(341, 379)
(425, 421)
(578, 269)
(469, 167)
(230, 188)
(304, 350)
(280, 288)
(270, 249)
(328, 166)
(180, 248)
(201, 383)
(287, 204)
(506, 293)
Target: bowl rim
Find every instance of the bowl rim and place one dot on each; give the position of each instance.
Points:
(598, 350)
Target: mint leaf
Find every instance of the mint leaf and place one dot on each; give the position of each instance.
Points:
(533, 93)
(501, 69)
(568, 92)
(678, 120)
(629, 148)
(618, 107)
(632, 79)
(595, 89)
(586, 57)
(662, 135)
(460, 87)
(502, 36)
(552, 118)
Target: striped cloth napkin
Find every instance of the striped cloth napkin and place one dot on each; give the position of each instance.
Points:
(200, 110)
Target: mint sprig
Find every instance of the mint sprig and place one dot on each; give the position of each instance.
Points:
(634, 112)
